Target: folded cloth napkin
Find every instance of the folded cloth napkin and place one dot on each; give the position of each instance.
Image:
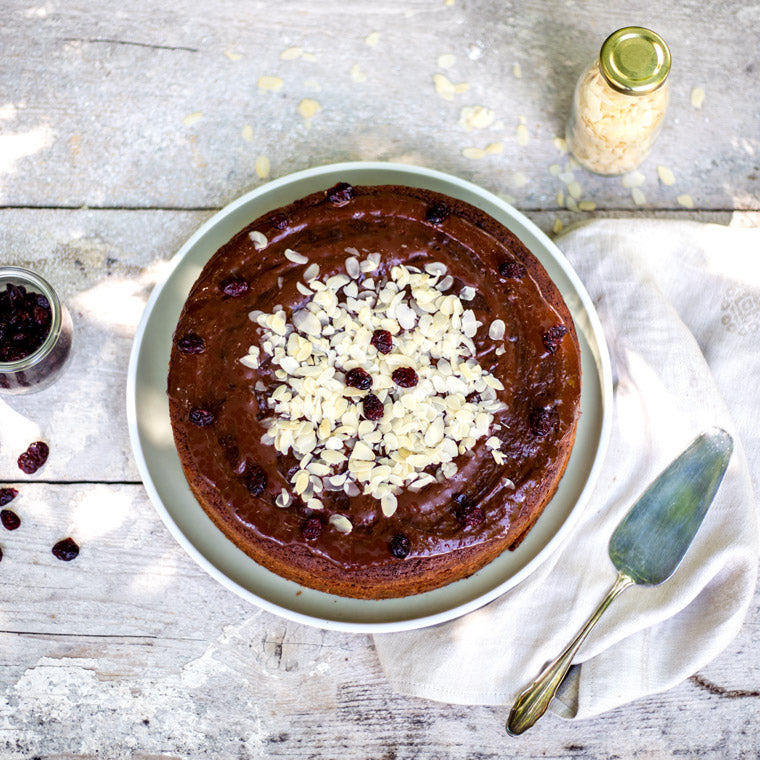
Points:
(680, 306)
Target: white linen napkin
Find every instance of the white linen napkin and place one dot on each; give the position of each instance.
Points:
(680, 306)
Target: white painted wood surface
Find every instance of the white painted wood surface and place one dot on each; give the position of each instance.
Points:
(122, 128)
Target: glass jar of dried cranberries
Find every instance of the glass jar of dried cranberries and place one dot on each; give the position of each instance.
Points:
(35, 332)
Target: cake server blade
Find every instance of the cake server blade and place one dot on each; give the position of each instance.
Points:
(646, 548)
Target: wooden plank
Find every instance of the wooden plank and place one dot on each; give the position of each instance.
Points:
(132, 651)
(161, 109)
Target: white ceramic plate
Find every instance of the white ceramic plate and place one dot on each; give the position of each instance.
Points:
(153, 445)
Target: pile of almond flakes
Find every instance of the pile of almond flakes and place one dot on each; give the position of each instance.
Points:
(318, 416)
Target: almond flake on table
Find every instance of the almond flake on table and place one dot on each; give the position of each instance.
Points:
(685, 200)
(372, 39)
(476, 117)
(357, 75)
(523, 136)
(247, 133)
(516, 71)
(446, 61)
(697, 97)
(447, 89)
(262, 167)
(291, 53)
(665, 175)
(192, 118)
(270, 83)
(308, 108)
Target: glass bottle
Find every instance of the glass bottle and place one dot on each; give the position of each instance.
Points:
(620, 101)
(30, 372)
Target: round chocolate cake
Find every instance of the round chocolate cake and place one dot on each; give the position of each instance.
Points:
(374, 391)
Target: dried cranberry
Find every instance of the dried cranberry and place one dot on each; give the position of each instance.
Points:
(437, 213)
(7, 495)
(9, 519)
(373, 407)
(279, 221)
(340, 194)
(470, 515)
(543, 421)
(311, 529)
(512, 270)
(382, 340)
(405, 377)
(66, 550)
(202, 417)
(359, 378)
(191, 344)
(34, 457)
(553, 336)
(25, 320)
(234, 287)
(256, 482)
(400, 546)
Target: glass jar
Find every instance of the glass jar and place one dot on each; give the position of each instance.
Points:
(620, 102)
(35, 332)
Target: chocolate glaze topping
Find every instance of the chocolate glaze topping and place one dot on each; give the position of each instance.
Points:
(540, 370)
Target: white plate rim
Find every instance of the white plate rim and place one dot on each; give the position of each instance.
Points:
(422, 176)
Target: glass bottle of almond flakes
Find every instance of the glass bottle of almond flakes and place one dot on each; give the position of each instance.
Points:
(620, 101)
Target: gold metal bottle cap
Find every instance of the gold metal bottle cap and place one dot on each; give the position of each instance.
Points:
(634, 60)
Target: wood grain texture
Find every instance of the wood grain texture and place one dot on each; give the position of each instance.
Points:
(143, 106)
(132, 651)
(123, 127)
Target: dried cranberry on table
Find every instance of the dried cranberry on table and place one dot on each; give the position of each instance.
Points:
(34, 457)
(9, 519)
(7, 495)
(66, 550)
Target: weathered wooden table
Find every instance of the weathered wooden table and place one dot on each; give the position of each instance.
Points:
(122, 128)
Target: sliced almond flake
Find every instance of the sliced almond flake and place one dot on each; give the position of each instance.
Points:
(295, 257)
(560, 144)
(685, 201)
(341, 523)
(586, 206)
(473, 153)
(315, 504)
(633, 179)
(389, 504)
(697, 97)
(259, 239)
(638, 196)
(467, 293)
(523, 136)
(352, 267)
(283, 499)
(497, 329)
(557, 227)
(574, 189)
(665, 175)
(311, 272)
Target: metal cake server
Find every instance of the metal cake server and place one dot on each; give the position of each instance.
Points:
(646, 548)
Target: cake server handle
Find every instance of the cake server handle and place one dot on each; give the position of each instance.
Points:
(532, 702)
